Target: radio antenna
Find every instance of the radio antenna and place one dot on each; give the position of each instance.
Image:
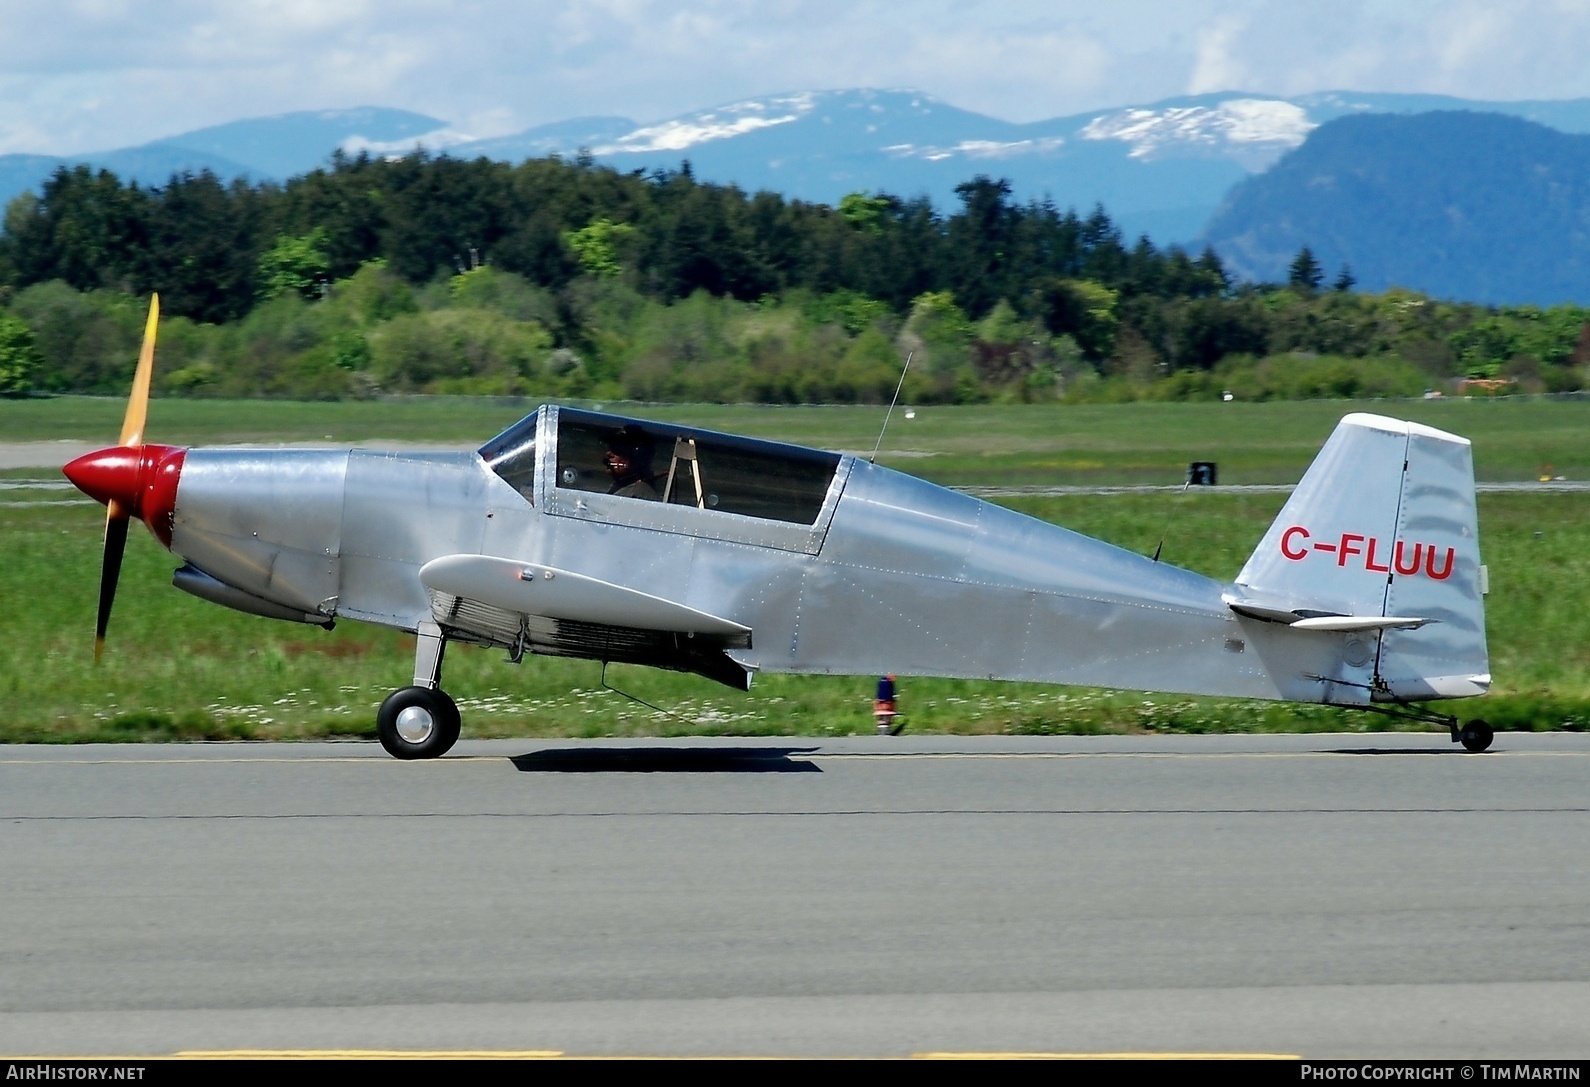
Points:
(1169, 519)
(884, 429)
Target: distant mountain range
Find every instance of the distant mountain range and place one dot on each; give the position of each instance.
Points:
(262, 148)
(1365, 179)
(1160, 169)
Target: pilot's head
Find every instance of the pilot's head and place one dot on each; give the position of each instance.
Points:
(629, 454)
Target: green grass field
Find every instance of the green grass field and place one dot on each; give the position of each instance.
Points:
(1514, 439)
(176, 667)
(179, 668)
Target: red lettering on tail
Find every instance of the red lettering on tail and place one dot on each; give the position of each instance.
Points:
(1418, 553)
(1446, 572)
(1349, 546)
(1369, 559)
(1406, 559)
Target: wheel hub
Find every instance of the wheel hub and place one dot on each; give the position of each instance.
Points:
(415, 724)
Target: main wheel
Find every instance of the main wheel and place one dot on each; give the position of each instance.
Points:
(1476, 735)
(417, 723)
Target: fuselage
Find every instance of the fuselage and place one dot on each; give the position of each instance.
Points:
(893, 574)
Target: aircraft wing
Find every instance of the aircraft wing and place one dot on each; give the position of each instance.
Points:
(529, 588)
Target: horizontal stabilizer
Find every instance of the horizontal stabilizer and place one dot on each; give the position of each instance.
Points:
(532, 589)
(1359, 622)
(1302, 618)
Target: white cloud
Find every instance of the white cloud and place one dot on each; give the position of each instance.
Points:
(1214, 67)
(81, 75)
(1490, 49)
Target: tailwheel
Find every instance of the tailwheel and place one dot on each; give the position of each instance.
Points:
(417, 723)
(1476, 735)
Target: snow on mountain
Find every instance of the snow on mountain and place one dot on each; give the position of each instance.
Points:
(735, 119)
(1254, 131)
(560, 137)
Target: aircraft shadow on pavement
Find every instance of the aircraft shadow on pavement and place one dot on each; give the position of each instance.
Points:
(669, 760)
(1398, 751)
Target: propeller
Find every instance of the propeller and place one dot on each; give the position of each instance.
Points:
(109, 575)
(116, 512)
(132, 478)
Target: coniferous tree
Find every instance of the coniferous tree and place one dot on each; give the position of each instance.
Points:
(1305, 274)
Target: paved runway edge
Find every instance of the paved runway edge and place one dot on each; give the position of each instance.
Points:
(1544, 1020)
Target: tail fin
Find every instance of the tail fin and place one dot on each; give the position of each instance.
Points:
(1380, 543)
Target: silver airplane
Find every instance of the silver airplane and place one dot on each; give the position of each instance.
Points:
(579, 534)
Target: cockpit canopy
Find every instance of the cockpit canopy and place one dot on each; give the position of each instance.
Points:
(512, 455)
(644, 461)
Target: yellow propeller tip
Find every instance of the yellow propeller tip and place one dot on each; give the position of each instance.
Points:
(132, 427)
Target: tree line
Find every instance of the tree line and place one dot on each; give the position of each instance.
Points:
(565, 277)
(200, 242)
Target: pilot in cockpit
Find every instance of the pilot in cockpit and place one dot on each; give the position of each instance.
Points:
(629, 461)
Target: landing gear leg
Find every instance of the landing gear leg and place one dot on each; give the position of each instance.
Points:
(420, 722)
(1474, 736)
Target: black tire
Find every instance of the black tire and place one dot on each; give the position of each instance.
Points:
(1476, 736)
(425, 735)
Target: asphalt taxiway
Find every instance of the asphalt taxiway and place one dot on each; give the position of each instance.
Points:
(1363, 895)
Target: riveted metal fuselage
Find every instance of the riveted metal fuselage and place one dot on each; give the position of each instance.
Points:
(897, 575)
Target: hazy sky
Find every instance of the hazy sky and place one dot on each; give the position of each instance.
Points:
(80, 75)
